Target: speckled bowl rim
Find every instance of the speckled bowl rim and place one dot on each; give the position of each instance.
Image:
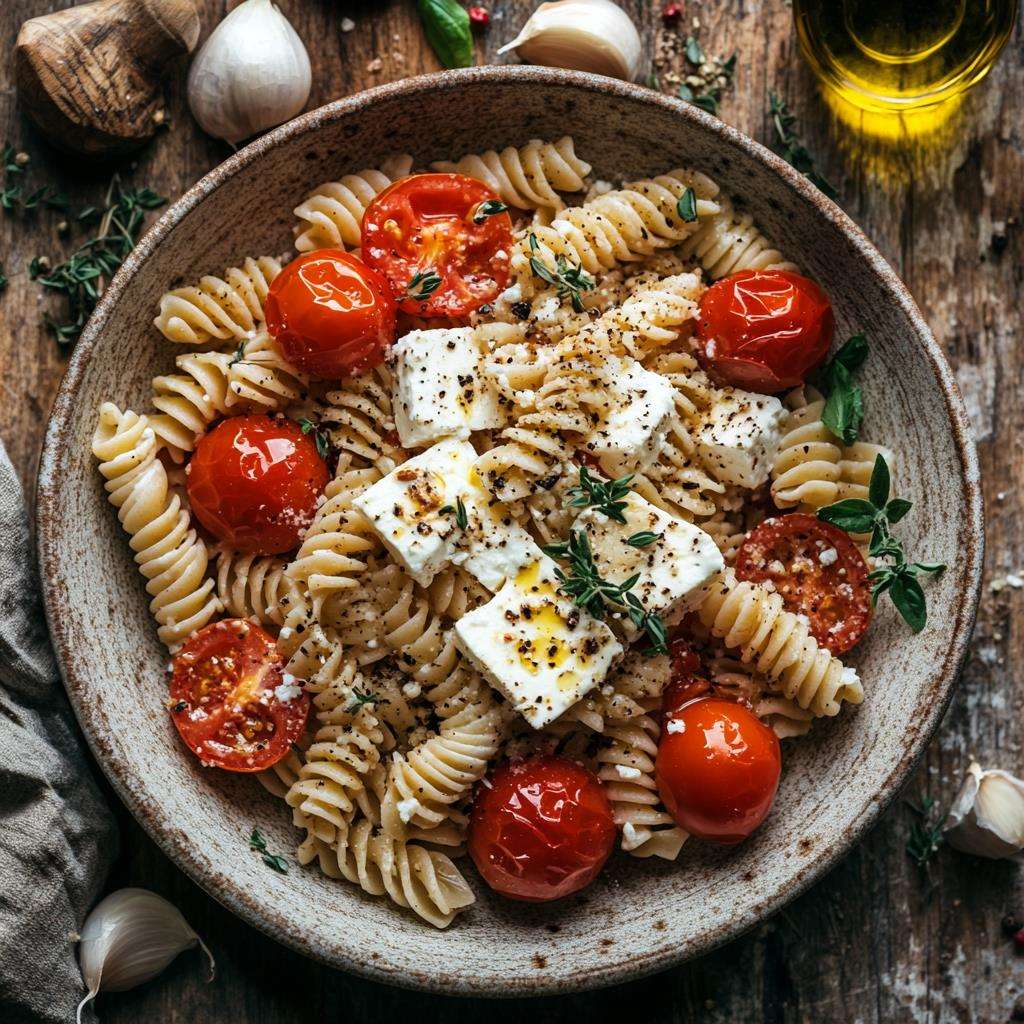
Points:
(598, 975)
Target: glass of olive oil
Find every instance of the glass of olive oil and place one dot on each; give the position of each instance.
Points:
(902, 55)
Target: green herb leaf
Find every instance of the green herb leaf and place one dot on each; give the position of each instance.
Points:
(606, 496)
(569, 280)
(273, 860)
(446, 26)
(359, 698)
(793, 150)
(707, 101)
(685, 93)
(925, 838)
(423, 284)
(459, 510)
(852, 515)
(844, 407)
(320, 436)
(907, 595)
(686, 207)
(490, 208)
(896, 509)
(239, 357)
(643, 539)
(878, 487)
(3, 278)
(656, 632)
(694, 54)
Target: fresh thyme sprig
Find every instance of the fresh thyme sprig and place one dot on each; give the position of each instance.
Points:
(359, 698)
(258, 842)
(321, 438)
(83, 277)
(605, 496)
(3, 278)
(896, 577)
(569, 280)
(239, 356)
(794, 152)
(489, 208)
(643, 539)
(459, 509)
(844, 406)
(925, 838)
(584, 584)
(423, 284)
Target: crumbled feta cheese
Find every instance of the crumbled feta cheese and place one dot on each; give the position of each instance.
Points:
(287, 691)
(440, 387)
(407, 809)
(639, 413)
(412, 508)
(829, 556)
(739, 437)
(631, 839)
(672, 569)
(675, 725)
(626, 772)
(535, 646)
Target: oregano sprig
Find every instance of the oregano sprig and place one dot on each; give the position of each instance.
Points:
(569, 280)
(604, 495)
(321, 438)
(794, 152)
(875, 515)
(844, 404)
(459, 509)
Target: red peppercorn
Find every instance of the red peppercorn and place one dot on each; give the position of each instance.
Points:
(671, 13)
(1018, 941)
(479, 16)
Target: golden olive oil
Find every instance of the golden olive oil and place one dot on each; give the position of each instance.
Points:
(902, 54)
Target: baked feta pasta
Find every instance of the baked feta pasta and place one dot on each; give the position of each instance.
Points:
(519, 515)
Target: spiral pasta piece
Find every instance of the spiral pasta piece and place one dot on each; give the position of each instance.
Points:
(260, 379)
(361, 422)
(254, 586)
(331, 215)
(528, 178)
(168, 552)
(729, 241)
(806, 470)
(189, 401)
(751, 619)
(218, 308)
(737, 681)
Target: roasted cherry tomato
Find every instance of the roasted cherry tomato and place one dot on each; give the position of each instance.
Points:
(229, 700)
(541, 829)
(764, 330)
(253, 482)
(818, 571)
(331, 314)
(437, 240)
(717, 769)
(687, 681)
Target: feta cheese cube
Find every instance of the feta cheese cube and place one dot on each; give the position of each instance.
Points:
(440, 387)
(494, 547)
(639, 415)
(739, 437)
(672, 569)
(407, 508)
(532, 644)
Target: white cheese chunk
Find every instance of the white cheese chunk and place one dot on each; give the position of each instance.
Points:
(440, 387)
(535, 646)
(639, 415)
(672, 569)
(408, 509)
(739, 437)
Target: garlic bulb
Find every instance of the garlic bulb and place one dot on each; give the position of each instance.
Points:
(251, 74)
(987, 816)
(131, 936)
(586, 35)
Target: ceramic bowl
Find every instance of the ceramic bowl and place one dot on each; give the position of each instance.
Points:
(640, 916)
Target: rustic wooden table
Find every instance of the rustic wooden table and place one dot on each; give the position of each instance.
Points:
(877, 941)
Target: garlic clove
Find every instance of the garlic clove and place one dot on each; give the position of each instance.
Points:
(987, 816)
(585, 35)
(253, 73)
(129, 937)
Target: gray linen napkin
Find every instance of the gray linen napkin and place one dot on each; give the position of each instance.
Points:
(57, 836)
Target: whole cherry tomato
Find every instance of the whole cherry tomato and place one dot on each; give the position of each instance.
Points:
(444, 241)
(253, 482)
(818, 571)
(229, 701)
(541, 829)
(717, 769)
(764, 330)
(331, 314)
(687, 680)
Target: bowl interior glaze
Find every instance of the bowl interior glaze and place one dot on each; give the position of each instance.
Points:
(654, 914)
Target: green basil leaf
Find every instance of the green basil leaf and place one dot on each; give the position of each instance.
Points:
(897, 509)
(907, 595)
(878, 488)
(928, 567)
(687, 206)
(844, 408)
(686, 93)
(694, 54)
(852, 353)
(852, 515)
(446, 26)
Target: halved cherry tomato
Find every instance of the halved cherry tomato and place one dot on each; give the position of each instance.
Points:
(253, 482)
(541, 829)
(229, 700)
(764, 330)
(331, 314)
(687, 681)
(433, 237)
(818, 571)
(718, 769)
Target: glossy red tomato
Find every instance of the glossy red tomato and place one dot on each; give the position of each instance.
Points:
(331, 314)
(253, 482)
(764, 330)
(229, 701)
(437, 240)
(818, 571)
(541, 830)
(687, 681)
(717, 769)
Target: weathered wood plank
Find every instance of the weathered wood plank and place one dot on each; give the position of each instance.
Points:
(875, 942)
